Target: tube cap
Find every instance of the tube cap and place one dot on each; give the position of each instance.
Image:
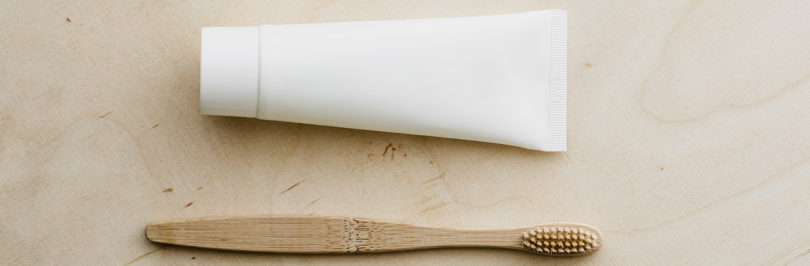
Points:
(229, 71)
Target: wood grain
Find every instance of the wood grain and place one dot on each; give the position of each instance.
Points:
(290, 234)
(687, 134)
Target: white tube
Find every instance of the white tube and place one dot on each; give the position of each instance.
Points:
(498, 79)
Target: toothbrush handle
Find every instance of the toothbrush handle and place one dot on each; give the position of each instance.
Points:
(326, 235)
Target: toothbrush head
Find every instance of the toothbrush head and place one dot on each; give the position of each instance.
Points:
(562, 241)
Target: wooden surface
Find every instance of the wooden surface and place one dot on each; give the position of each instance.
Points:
(313, 234)
(687, 129)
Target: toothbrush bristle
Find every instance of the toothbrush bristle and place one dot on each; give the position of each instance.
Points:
(564, 240)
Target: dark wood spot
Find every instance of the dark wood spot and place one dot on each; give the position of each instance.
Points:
(155, 126)
(105, 114)
(386, 149)
(293, 186)
(313, 202)
(68, 19)
(189, 204)
(168, 190)
(589, 65)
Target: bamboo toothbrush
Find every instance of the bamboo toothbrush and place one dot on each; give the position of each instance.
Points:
(355, 235)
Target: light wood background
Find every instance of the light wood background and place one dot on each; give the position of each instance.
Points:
(687, 129)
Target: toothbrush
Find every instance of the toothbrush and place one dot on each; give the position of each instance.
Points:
(291, 234)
